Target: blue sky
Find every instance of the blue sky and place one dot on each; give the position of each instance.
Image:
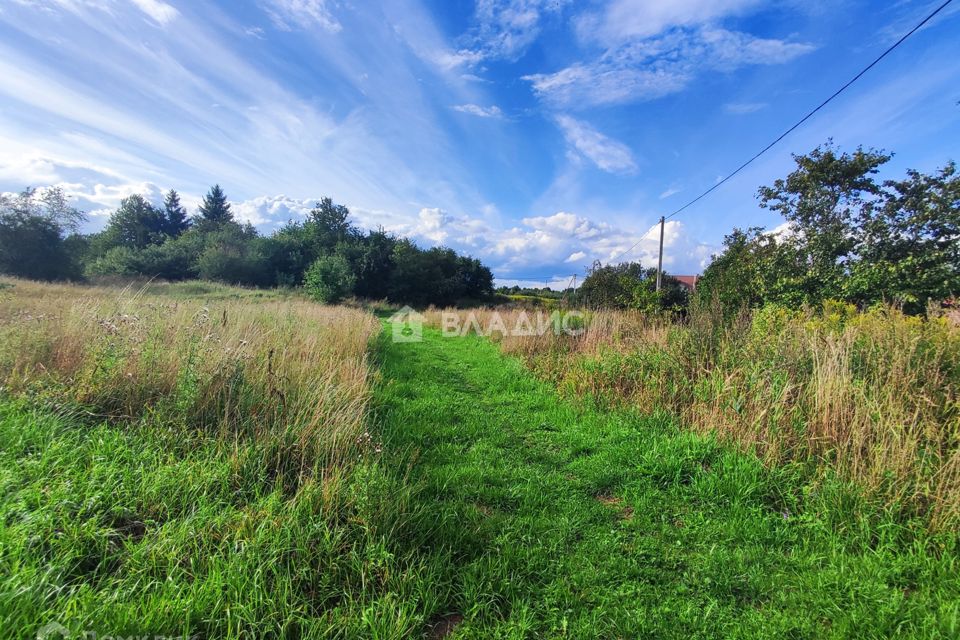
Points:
(537, 135)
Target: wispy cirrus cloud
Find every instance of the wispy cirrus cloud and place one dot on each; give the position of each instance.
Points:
(608, 154)
(159, 11)
(744, 108)
(493, 111)
(621, 20)
(300, 14)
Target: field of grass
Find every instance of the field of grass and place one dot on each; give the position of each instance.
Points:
(178, 466)
(195, 460)
(873, 398)
(560, 520)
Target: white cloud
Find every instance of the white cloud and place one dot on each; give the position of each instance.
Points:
(269, 211)
(448, 60)
(301, 14)
(608, 81)
(744, 108)
(607, 154)
(492, 111)
(652, 48)
(624, 19)
(506, 28)
(669, 192)
(729, 50)
(159, 11)
(576, 257)
(503, 29)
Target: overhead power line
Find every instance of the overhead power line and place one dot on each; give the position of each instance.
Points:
(795, 126)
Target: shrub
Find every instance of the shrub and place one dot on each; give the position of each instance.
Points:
(329, 279)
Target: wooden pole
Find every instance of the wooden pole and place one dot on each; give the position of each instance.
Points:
(660, 259)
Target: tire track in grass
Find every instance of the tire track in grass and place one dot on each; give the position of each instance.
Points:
(553, 519)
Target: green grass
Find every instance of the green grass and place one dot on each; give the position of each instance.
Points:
(204, 290)
(562, 521)
(142, 532)
(495, 505)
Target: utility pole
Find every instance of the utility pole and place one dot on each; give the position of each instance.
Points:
(660, 259)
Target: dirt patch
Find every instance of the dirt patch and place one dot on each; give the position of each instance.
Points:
(625, 513)
(443, 626)
(609, 501)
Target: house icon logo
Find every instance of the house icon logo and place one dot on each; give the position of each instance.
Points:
(407, 325)
(53, 631)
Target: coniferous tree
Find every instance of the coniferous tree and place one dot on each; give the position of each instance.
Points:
(215, 207)
(177, 220)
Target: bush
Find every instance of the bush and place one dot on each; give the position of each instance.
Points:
(329, 279)
(233, 255)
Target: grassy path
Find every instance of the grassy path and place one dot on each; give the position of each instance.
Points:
(555, 520)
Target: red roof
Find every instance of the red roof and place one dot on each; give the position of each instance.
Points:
(690, 282)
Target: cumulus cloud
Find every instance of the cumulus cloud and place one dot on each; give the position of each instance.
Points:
(301, 14)
(492, 111)
(161, 12)
(607, 154)
(271, 211)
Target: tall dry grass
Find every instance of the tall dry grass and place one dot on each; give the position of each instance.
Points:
(873, 397)
(288, 376)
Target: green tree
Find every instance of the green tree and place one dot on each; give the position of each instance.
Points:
(176, 219)
(328, 225)
(215, 209)
(234, 255)
(909, 246)
(329, 279)
(33, 229)
(136, 224)
(823, 200)
(849, 238)
(631, 286)
(374, 264)
(755, 267)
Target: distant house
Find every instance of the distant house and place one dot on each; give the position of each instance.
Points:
(688, 282)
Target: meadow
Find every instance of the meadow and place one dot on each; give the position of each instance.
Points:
(871, 398)
(181, 459)
(195, 460)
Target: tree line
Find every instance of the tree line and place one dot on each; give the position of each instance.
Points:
(848, 237)
(324, 253)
